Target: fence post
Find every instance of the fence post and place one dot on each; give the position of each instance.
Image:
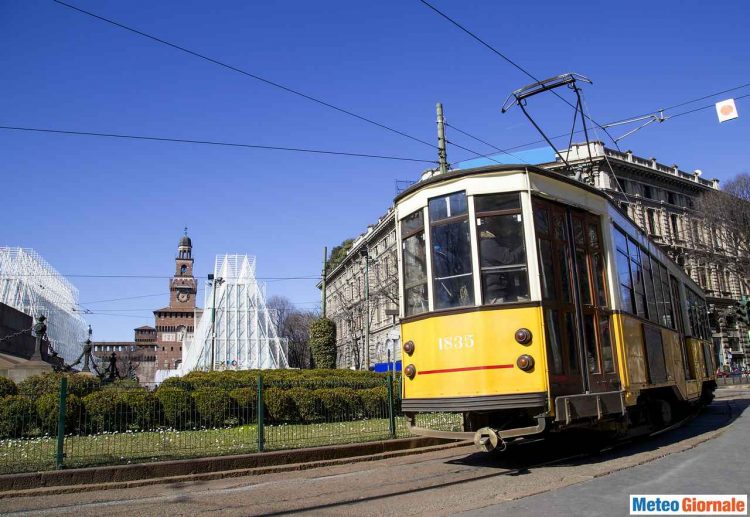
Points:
(391, 414)
(261, 412)
(61, 423)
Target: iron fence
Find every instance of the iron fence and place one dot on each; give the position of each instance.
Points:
(81, 423)
(734, 378)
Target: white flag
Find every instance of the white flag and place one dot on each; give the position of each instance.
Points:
(726, 110)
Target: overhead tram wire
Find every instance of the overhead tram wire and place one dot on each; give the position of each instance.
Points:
(486, 143)
(213, 142)
(158, 277)
(248, 74)
(556, 137)
(509, 60)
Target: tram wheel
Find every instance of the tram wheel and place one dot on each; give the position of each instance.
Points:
(661, 412)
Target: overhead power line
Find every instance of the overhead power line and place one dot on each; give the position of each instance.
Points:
(485, 142)
(509, 60)
(161, 277)
(247, 74)
(212, 142)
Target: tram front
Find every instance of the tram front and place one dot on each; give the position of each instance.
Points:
(471, 319)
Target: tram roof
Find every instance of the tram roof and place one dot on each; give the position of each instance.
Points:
(476, 171)
(460, 173)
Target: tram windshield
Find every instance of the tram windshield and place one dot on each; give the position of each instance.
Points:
(502, 253)
(451, 251)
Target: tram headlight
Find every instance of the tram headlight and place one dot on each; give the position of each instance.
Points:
(525, 362)
(410, 371)
(409, 347)
(523, 336)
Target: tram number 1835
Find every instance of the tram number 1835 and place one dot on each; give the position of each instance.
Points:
(455, 342)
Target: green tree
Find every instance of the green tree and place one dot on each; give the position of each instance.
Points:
(323, 343)
(338, 254)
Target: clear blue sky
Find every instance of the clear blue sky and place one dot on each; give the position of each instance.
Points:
(98, 206)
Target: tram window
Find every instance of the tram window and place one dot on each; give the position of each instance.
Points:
(601, 292)
(502, 253)
(669, 319)
(570, 332)
(451, 251)
(589, 335)
(548, 271)
(636, 273)
(448, 206)
(608, 362)
(583, 277)
(415, 264)
(554, 342)
(648, 281)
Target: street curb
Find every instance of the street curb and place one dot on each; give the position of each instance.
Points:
(205, 469)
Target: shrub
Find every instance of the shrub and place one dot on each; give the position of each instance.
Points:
(339, 403)
(176, 406)
(244, 403)
(374, 401)
(79, 385)
(212, 405)
(105, 412)
(7, 387)
(279, 405)
(47, 410)
(323, 343)
(177, 382)
(309, 405)
(17, 416)
(140, 407)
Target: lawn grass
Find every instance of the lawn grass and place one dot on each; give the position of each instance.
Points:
(34, 454)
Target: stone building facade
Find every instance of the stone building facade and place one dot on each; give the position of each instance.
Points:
(141, 356)
(346, 304)
(660, 198)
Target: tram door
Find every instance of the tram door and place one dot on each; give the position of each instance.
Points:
(574, 300)
(552, 230)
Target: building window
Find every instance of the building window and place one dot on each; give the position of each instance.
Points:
(671, 198)
(675, 226)
(648, 192)
(651, 220)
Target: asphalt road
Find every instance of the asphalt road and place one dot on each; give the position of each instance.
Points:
(709, 455)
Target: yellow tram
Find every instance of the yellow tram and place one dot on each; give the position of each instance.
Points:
(531, 303)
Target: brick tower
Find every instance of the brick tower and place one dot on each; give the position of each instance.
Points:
(177, 321)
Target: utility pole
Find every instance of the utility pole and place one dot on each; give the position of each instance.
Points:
(442, 155)
(325, 274)
(214, 284)
(367, 308)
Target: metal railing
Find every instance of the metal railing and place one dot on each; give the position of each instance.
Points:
(81, 423)
(734, 378)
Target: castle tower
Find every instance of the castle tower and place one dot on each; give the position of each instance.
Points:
(176, 322)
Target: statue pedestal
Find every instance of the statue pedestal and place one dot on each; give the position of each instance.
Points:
(26, 369)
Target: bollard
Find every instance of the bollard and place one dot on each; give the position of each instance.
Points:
(61, 423)
(261, 411)
(391, 414)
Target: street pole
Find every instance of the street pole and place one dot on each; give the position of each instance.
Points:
(325, 273)
(367, 309)
(213, 319)
(442, 154)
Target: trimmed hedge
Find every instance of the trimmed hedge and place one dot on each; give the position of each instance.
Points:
(212, 405)
(7, 387)
(47, 410)
(176, 407)
(17, 416)
(199, 399)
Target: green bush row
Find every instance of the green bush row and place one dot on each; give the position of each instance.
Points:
(137, 409)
